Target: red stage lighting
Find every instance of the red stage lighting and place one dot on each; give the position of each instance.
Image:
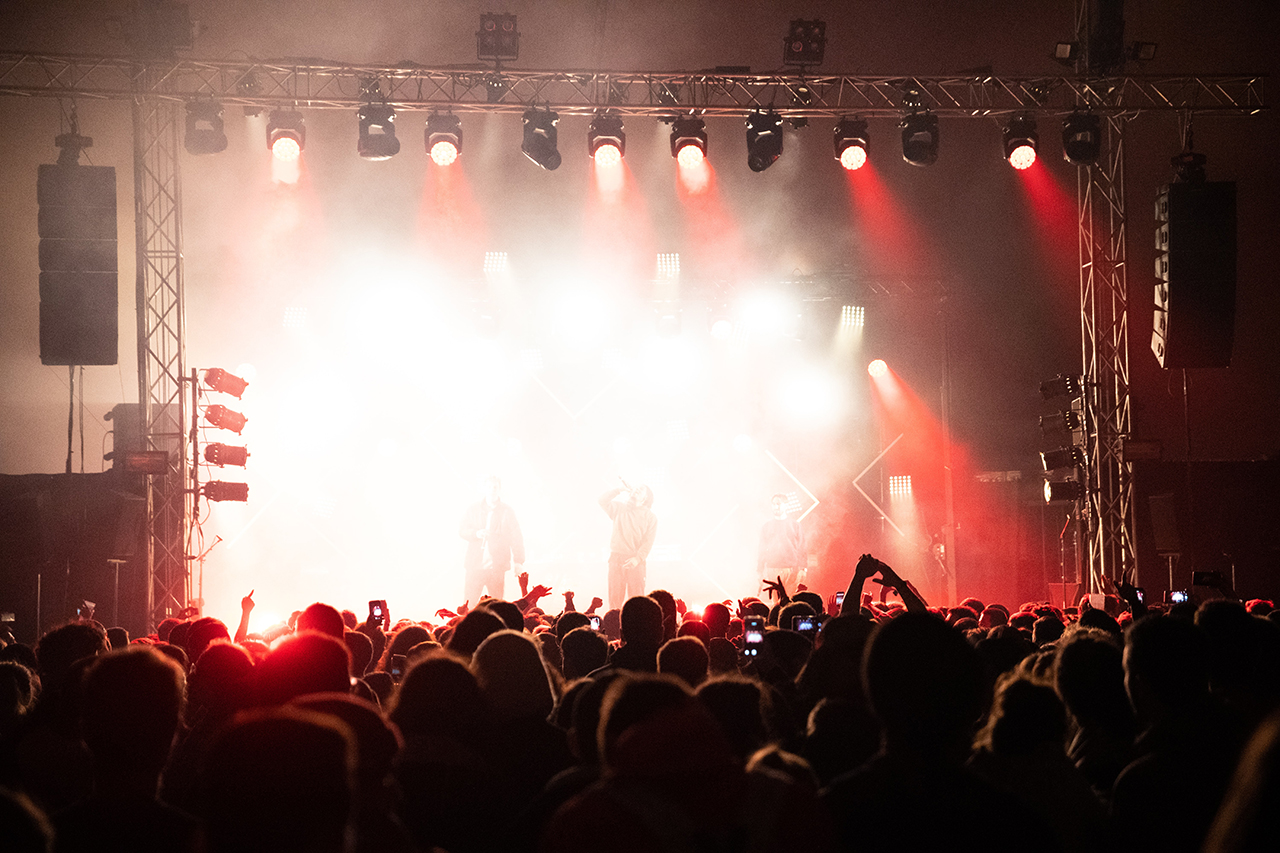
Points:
(852, 143)
(224, 418)
(606, 140)
(1020, 142)
(689, 140)
(878, 369)
(226, 454)
(286, 134)
(219, 491)
(228, 383)
(444, 138)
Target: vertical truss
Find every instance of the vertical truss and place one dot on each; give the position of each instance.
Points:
(161, 344)
(1107, 513)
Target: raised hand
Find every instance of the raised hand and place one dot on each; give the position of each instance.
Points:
(596, 601)
(246, 603)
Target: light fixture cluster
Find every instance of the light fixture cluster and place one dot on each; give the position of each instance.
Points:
(607, 140)
(1062, 465)
(217, 453)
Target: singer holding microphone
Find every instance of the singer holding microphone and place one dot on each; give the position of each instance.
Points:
(634, 529)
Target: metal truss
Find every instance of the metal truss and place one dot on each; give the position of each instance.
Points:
(161, 346)
(1107, 510)
(722, 92)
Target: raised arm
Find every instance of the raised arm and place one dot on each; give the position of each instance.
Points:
(606, 501)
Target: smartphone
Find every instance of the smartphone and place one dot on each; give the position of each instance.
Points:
(378, 610)
(595, 623)
(1141, 593)
(804, 624)
(1178, 596)
(839, 600)
(397, 667)
(753, 635)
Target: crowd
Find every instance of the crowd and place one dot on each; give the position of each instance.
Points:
(890, 725)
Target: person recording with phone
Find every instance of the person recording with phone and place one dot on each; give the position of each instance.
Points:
(494, 543)
(634, 529)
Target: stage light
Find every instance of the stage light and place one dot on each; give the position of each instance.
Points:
(853, 143)
(1143, 51)
(689, 140)
(1020, 142)
(540, 138)
(920, 139)
(286, 134)
(219, 491)
(1061, 422)
(720, 322)
(805, 44)
(900, 485)
(1063, 457)
(606, 141)
(764, 140)
(668, 265)
(852, 317)
(495, 263)
(224, 418)
(226, 454)
(878, 369)
(1064, 490)
(1081, 138)
(443, 138)
(497, 40)
(224, 382)
(1066, 52)
(377, 132)
(205, 134)
(1060, 386)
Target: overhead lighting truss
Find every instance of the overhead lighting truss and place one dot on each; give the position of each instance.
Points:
(332, 86)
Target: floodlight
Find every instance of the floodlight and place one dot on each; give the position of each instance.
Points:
(899, 485)
(540, 138)
(878, 369)
(689, 140)
(1063, 457)
(219, 491)
(1020, 142)
(852, 316)
(764, 140)
(205, 134)
(1081, 138)
(377, 132)
(443, 138)
(1066, 52)
(226, 454)
(224, 418)
(1063, 490)
(606, 140)
(227, 383)
(1143, 51)
(1060, 386)
(920, 139)
(286, 134)
(852, 142)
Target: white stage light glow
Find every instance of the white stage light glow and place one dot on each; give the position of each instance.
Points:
(812, 397)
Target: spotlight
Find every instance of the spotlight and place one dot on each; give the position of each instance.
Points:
(224, 418)
(1064, 490)
(286, 134)
(1063, 457)
(1060, 386)
(204, 128)
(377, 132)
(853, 143)
(920, 139)
(606, 140)
(689, 140)
(1061, 422)
(219, 491)
(764, 140)
(900, 485)
(1020, 142)
(224, 382)
(1081, 138)
(1066, 52)
(878, 369)
(443, 137)
(226, 454)
(540, 138)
